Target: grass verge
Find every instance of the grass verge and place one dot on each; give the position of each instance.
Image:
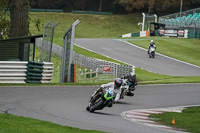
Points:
(90, 26)
(187, 50)
(189, 119)
(18, 124)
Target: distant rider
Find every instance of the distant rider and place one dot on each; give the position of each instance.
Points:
(115, 86)
(152, 44)
(132, 79)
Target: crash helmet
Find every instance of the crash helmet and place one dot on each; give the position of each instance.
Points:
(118, 82)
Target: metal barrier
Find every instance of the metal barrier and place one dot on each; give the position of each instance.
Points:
(87, 76)
(93, 64)
(21, 72)
(13, 71)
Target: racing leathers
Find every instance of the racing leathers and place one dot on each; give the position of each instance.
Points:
(116, 90)
(110, 85)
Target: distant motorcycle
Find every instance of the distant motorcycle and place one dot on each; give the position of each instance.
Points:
(100, 100)
(152, 52)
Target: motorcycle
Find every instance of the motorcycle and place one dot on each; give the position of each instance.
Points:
(127, 86)
(124, 88)
(152, 52)
(101, 100)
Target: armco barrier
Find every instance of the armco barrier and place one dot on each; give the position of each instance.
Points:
(16, 72)
(39, 72)
(12, 71)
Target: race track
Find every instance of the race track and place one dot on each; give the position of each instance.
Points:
(66, 105)
(138, 57)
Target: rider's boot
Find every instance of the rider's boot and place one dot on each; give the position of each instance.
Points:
(130, 94)
(110, 104)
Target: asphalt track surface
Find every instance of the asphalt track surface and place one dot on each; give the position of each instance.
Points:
(136, 56)
(65, 105)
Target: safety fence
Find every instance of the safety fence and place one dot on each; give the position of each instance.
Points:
(103, 66)
(115, 69)
(25, 72)
(94, 76)
(87, 75)
(45, 10)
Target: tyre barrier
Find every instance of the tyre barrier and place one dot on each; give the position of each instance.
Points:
(25, 72)
(39, 72)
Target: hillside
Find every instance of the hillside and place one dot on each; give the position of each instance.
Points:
(90, 26)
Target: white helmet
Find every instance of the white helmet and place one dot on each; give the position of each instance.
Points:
(151, 40)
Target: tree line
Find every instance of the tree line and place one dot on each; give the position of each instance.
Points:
(116, 6)
(17, 23)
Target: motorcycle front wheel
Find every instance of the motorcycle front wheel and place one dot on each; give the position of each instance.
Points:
(96, 105)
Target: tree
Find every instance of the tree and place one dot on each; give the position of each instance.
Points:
(195, 1)
(4, 20)
(152, 5)
(80, 4)
(19, 18)
(100, 5)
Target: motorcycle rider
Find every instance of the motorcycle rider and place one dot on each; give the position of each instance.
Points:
(152, 44)
(132, 79)
(115, 86)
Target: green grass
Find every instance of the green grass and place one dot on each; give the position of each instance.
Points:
(94, 55)
(189, 119)
(187, 50)
(90, 26)
(18, 124)
(145, 77)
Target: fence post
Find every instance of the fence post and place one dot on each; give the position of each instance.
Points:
(58, 73)
(97, 75)
(79, 75)
(85, 75)
(74, 73)
(90, 75)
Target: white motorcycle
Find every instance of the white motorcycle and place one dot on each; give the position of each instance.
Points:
(127, 86)
(152, 52)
